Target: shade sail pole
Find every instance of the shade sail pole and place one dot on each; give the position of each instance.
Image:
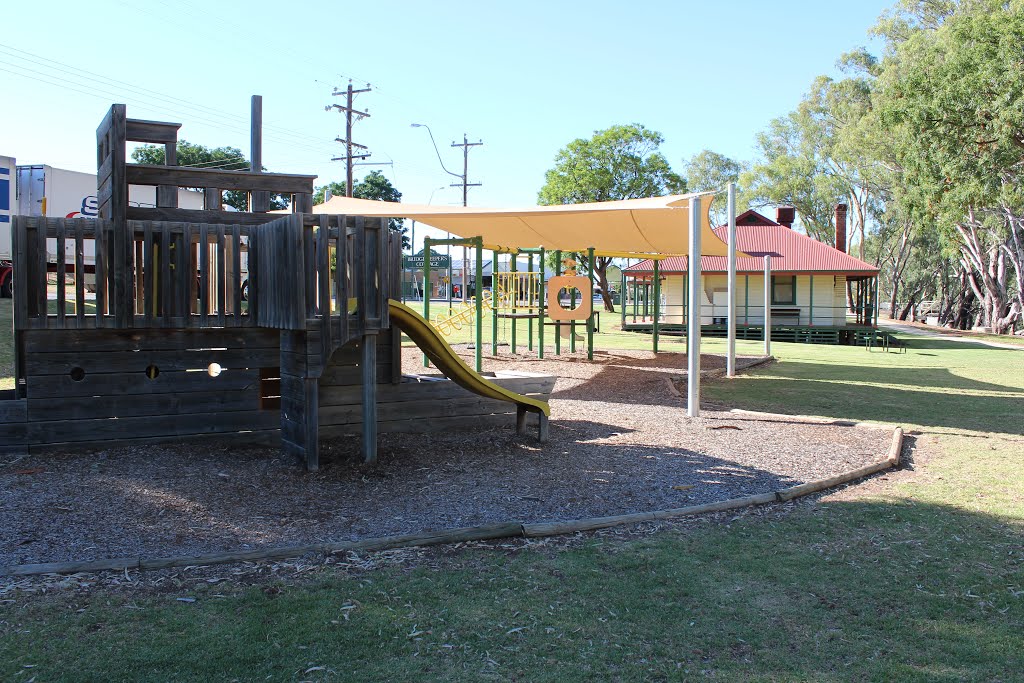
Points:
(693, 324)
(730, 362)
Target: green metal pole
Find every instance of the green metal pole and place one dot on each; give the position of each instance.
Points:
(572, 323)
(514, 269)
(529, 320)
(558, 297)
(657, 303)
(479, 303)
(494, 303)
(590, 319)
(542, 304)
(426, 284)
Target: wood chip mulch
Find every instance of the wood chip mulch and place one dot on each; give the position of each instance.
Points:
(620, 442)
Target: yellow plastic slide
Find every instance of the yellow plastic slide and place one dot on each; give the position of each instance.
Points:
(447, 361)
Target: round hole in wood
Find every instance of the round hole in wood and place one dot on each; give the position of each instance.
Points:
(77, 374)
(152, 371)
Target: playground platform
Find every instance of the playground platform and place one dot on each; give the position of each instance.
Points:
(252, 326)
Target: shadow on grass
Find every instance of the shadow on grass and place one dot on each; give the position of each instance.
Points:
(882, 590)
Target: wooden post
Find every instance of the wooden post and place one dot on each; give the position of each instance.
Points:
(369, 368)
(730, 363)
(767, 305)
(693, 323)
(259, 201)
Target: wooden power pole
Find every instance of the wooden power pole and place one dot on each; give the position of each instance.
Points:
(349, 113)
(465, 184)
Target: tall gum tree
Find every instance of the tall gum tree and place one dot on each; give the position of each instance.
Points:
(951, 101)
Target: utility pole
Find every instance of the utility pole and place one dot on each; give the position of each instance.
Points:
(465, 145)
(349, 112)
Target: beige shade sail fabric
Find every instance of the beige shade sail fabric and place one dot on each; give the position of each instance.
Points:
(631, 227)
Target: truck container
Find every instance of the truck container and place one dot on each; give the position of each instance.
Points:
(43, 190)
(8, 204)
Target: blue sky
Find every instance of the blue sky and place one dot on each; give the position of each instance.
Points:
(525, 77)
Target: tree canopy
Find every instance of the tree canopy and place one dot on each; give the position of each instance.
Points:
(709, 171)
(201, 156)
(375, 186)
(621, 162)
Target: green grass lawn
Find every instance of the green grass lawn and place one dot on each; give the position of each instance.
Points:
(915, 576)
(6, 344)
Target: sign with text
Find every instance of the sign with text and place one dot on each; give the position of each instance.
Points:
(437, 262)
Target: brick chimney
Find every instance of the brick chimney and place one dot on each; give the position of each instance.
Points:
(785, 215)
(841, 227)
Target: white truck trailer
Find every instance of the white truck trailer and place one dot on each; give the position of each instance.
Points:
(41, 190)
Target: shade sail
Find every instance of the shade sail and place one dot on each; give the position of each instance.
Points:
(658, 225)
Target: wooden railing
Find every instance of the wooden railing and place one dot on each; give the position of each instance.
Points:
(337, 269)
(285, 274)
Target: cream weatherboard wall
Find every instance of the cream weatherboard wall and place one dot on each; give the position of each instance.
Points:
(829, 299)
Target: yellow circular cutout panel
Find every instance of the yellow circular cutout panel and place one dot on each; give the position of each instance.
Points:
(560, 282)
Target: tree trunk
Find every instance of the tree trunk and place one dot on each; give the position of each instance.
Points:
(601, 271)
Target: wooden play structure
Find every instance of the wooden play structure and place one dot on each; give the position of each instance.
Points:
(275, 328)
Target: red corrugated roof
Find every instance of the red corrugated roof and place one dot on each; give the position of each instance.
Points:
(758, 236)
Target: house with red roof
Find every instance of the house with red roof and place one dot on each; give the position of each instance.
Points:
(808, 286)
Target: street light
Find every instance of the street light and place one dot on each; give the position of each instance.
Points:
(462, 177)
(436, 151)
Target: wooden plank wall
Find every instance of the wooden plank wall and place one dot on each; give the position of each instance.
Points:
(298, 421)
(157, 383)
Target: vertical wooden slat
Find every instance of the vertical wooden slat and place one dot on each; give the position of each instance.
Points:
(323, 268)
(163, 286)
(100, 242)
(182, 267)
(341, 278)
(309, 267)
(204, 273)
(79, 225)
(193, 273)
(221, 276)
(359, 272)
(41, 274)
(148, 302)
(236, 282)
(292, 309)
(61, 273)
(253, 266)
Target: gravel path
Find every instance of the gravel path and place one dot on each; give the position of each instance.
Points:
(620, 442)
